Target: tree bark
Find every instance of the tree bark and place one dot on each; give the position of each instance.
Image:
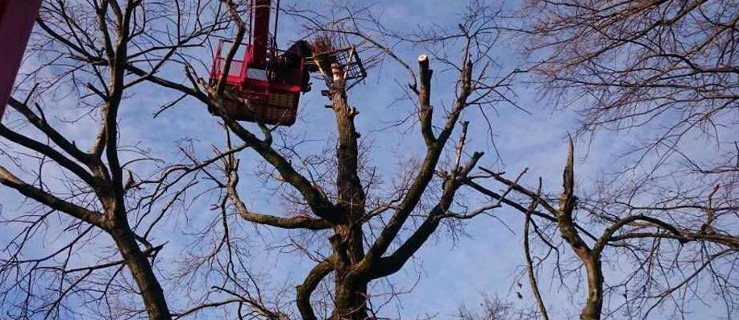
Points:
(350, 286)
(591, 261)
(141, 269)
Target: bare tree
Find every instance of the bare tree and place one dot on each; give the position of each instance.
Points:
(367, 241)
(667, 67)
(671, 261)
(112, 198)
(99, 199)
(667, 70)
(357, 221)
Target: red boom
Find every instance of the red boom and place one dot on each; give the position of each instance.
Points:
(16, 22)
(260, 32)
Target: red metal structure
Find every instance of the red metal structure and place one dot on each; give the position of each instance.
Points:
(265, 85)
(16, 22)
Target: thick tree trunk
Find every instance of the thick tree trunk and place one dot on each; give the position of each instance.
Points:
(350, 287)
(141, 270)
(351, 298)
(594, 305)
(590, 259)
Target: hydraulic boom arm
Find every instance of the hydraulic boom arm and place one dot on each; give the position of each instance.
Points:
(16, 22)
(260, 32)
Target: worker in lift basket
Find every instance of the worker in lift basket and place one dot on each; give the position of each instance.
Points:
(291, 59)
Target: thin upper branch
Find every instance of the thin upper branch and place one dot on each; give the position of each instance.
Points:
(426, 172)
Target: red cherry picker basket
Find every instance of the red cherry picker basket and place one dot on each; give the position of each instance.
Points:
(264, 84)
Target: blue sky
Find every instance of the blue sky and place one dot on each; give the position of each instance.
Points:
(450, 273)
